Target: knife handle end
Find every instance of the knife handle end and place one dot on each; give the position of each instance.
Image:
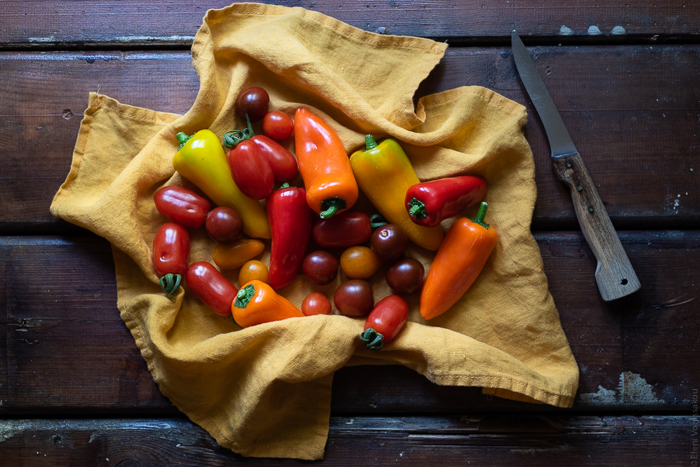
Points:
(614, 274)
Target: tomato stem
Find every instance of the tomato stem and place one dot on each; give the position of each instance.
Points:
(372, 339)
(170, 283)
(376, 221)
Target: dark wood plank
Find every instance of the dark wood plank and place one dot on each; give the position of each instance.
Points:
(413, 441)
(66, 348)
(635, 127)
(38, 23)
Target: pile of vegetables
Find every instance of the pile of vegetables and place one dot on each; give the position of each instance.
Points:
(247, 168)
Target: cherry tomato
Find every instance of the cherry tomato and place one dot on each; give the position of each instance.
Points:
(389, 242)
(342, 230)
(224, 224)
(251, 171)
(282, 162)
(211, 287)
(171, 249)
(316, 304)
(182, 205)
(235, 255)
(384, 322)
(320, 267)
(253, 270)
(254, 102)
(354, 298)
(359, 262)
(405, 276)
(278, 125)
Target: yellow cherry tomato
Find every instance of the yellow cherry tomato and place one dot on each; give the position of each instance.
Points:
(234, 255)
(254, 270)
(359, 262)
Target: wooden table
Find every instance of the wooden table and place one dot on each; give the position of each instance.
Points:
(74, 389)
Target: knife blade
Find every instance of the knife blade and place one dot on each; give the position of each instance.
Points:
(614, 273)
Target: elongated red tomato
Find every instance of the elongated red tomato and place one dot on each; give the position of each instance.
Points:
(211, 287)
(384, 322)
(182, 205)
(282, 162)
(343, 230)
(171, 249)
(251, 171)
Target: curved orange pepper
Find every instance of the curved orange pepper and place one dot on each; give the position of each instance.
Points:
(458, 262)
(324, 165)
(257, 303)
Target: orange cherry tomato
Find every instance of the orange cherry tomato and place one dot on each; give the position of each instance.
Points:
(253, 270)
(359, 262)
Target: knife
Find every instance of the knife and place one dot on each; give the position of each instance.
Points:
(614, 273)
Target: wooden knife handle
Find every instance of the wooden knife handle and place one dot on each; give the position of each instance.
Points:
(614, 274)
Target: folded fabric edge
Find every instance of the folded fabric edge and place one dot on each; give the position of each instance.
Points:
(313, 450)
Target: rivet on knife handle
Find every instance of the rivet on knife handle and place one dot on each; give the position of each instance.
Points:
(615, 276)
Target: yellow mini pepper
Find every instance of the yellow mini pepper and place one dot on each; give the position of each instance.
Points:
(201, 160)
(384, 173)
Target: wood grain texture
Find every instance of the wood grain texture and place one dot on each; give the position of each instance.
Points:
(614, 273)
(636, 126)
(148, 22)
(67, 351)
(409, 441)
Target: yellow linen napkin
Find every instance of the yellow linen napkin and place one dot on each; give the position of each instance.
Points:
(265, 391)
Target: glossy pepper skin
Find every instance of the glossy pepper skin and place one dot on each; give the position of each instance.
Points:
(461, 257)
(385, 174)
(384, 322)
(211, 287)
(290, 220)
(257, 303)
(330, 184)
(429, 203)
(202, 161)
(251, 172)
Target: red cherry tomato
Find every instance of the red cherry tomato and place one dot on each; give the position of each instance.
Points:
(342, 230)
(224, 224)
(207, 283)
(182, 205)
(384, 322)
(406, 276)
(282, 162)
(316, 304)
(278, 125)
(171, 249)
(320, 267)
(254, 102)
(251, 171)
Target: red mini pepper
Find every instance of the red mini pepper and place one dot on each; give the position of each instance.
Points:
(290, 221)
(429, 203)
(251, 172)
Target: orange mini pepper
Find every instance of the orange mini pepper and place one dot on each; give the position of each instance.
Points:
(257, 303)
(323, 163)
(458, 262)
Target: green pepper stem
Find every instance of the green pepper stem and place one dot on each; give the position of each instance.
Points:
(479, 219)
(331, 206)
(182, 138)
(417, 209)
(370, 142)
(244, 296)
(285, 185)
(372, 339)
(170, 283)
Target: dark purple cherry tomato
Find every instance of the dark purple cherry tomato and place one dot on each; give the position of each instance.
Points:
(278, 125)
(320, 267)
(384, 322)
(342, 230)
(171, 249)
(389, 242)
(224, 224)
(316, 304)
(212, 288)
(254, 102)
(182, 205)
(282, 162)
(251, 171)
(354, 298)
(405, 276)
